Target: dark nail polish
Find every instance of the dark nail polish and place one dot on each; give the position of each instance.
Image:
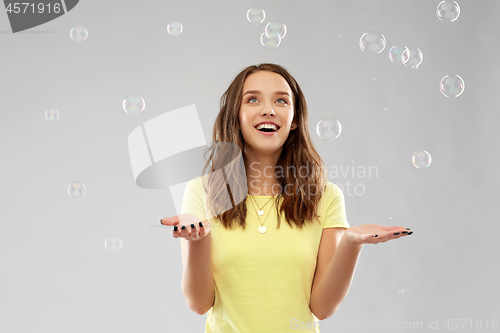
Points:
(160, 221)
(175, 228)
(404, 232)
(396, 233)
(407, 228)
(201, 225)
(192, 226)
(183, 227)
(410, 232)
(375, 235)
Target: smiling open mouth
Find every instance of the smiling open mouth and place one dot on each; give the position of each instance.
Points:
(267, 130)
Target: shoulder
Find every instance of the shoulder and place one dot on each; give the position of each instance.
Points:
(195, 185)
(332, 191)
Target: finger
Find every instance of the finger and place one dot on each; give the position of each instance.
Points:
(176, 231)
(194, 231)
(386, 236)
(397, 235)
(400, 229)
(173, 220)
(203, 228)
(371, 238)
(184, 232)
(383, 237)
(401, 233)
(393, 232)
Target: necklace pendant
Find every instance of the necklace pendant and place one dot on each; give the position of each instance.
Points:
(260, 212)
(262, 229)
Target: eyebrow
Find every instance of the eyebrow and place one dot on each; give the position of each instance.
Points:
(258, 92)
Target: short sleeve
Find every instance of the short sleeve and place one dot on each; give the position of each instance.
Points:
(335, 216)
(193, 200)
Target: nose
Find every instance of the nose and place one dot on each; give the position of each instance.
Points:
(270, 113)
(267, 108)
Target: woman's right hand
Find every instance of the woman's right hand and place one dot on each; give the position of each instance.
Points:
(187, 221)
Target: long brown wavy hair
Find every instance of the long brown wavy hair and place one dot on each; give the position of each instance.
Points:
(298, 151)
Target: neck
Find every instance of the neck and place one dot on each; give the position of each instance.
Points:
(261, 174)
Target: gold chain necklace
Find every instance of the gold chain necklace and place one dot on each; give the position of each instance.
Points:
(262, 229)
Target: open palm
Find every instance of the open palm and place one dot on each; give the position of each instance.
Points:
(365, 233)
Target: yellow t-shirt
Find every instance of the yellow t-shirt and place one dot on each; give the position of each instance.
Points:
(263, 282)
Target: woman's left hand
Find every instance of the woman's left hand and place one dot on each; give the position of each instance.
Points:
(365, 234)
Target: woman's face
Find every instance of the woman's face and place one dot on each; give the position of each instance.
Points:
(267, 97)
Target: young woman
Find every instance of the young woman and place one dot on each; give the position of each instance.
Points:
(249, 271)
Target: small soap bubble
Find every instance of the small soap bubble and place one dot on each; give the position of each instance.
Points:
(412, 57)
(452, 86)
(396, 54)
(421, 159)
(277, 27)
(385, 109)
(448, 11)
(256, 15)
(270, 42)
(328, 129)
(79, 33)
(401, 291)
(52, 115)
(113, 244)
(372, 42)
(134, 104)
(76, 189)
(174, 28)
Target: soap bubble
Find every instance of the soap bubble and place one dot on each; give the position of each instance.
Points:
(79, 33)
(174, 28)
(113, 244)
(270, 42)
(396, 54)
(372, 42)
(448, 11)
(328, 129)
(412, 57)
(452, 86)
(275, 27)
(76, 189)
(134, 104)
(256, 15)
(52, 115)
(421, 159)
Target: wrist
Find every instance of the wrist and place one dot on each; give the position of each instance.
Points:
(348, 241)
(203, 239)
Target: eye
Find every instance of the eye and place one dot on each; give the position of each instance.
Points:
(281, 99)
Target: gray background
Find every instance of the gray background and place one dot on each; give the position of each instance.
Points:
(56, 275)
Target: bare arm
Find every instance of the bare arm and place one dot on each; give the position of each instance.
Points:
(197, 277)
(332, 289)
(339, 263)
(196, 247)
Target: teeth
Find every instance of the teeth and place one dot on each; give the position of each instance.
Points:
(272, 126)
